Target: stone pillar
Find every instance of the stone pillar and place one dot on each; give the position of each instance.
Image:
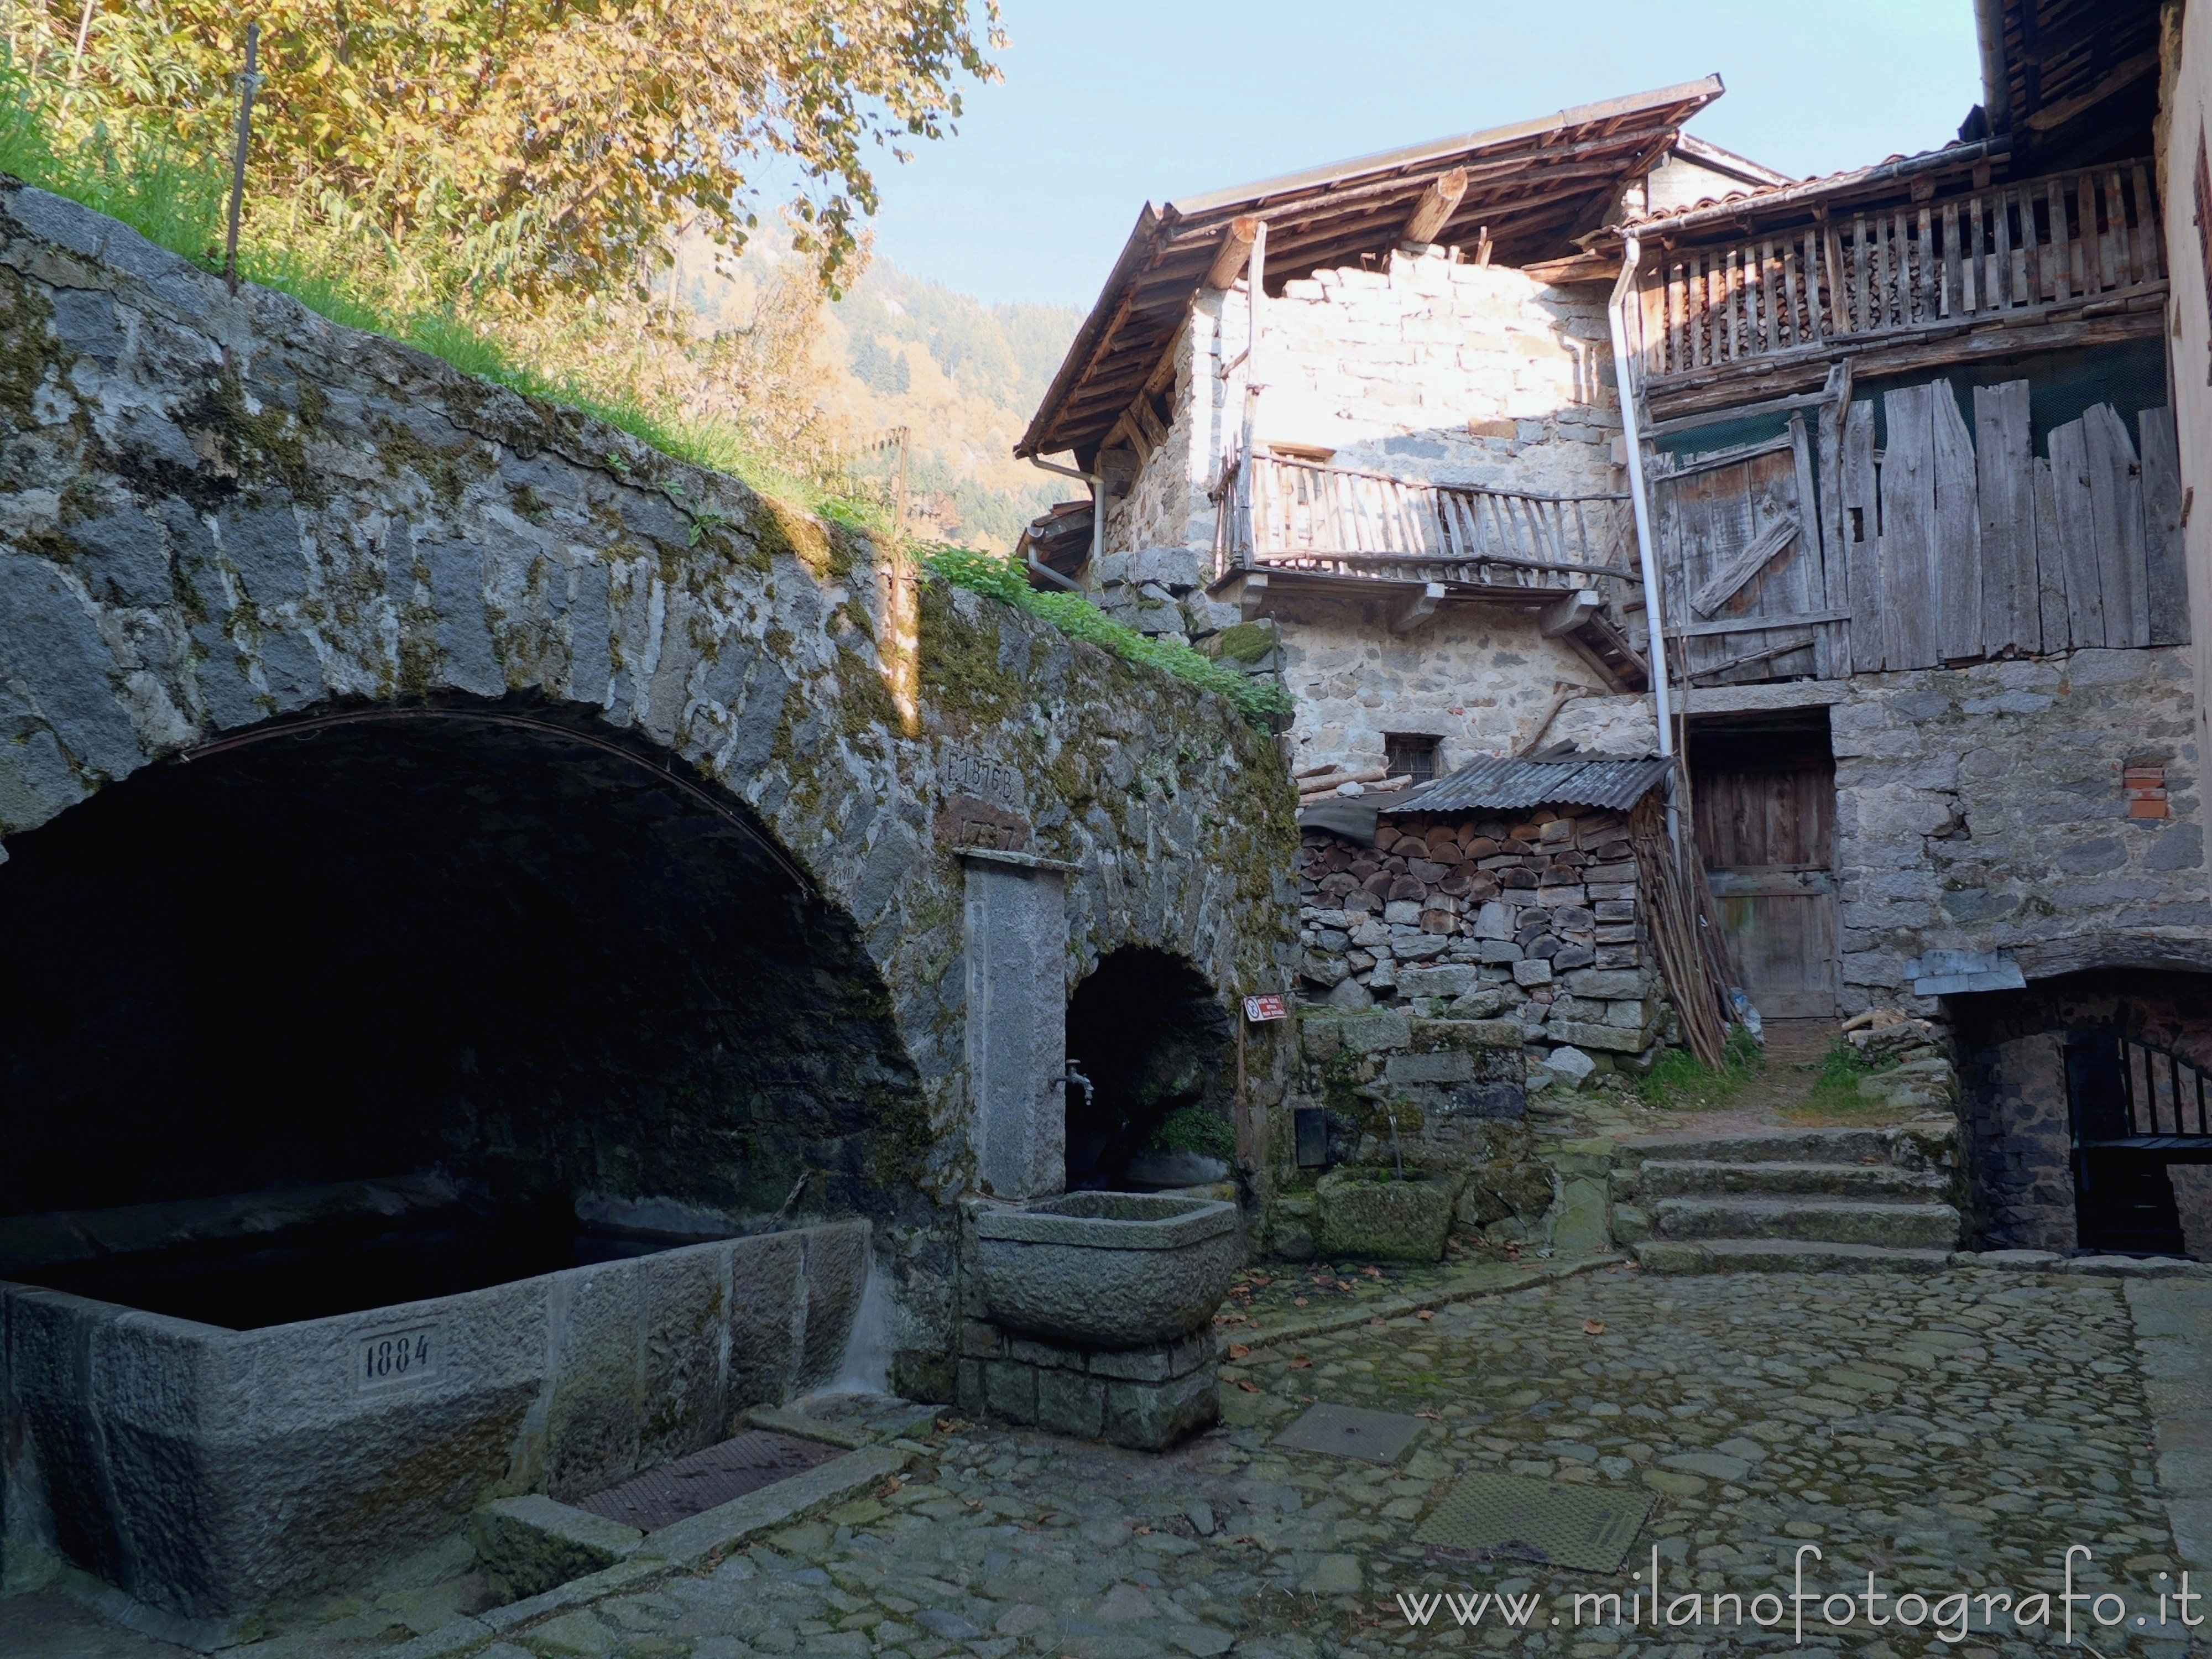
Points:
(1017, 938)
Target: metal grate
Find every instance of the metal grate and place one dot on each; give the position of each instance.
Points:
(1587, 1528)
(693, 1485)
(1351, 1431)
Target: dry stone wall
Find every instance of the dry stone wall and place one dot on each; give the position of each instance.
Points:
(1534, 918)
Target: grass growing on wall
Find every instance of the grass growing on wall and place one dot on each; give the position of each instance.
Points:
(179, 200)
(1260, 700)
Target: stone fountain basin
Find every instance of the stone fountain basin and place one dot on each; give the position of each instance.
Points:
(1108, 1270)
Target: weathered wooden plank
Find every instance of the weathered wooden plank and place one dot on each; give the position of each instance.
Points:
(2049, 564)
(2115, 508)
(2061, 259)
(1910, 568)
(2077, 535)
(1974, 296)
(1927, 292)
(1958, 529)
(2168, 582)
(1859, 517)
(1706, 630)
(1740, 567)
(2121, 267)
(1831, 653)
(2147, 237)
(1862, 317)
(2005, 460)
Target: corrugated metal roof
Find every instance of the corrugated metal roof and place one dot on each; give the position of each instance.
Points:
(1504, 782)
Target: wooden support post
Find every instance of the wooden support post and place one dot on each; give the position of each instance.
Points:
(1437, 204)
(1235, 248)
(1418, 608)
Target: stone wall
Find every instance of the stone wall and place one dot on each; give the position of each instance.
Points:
(1478, 679)
(1532, 916)
(223, 511)
(1987, 808)
(2019, 1135)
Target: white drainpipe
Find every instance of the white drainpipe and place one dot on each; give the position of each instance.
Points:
(1097, 482)
(1623, 378)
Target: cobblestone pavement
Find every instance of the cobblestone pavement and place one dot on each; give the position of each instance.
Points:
(1950, 1434)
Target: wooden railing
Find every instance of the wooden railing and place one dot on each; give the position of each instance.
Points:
(2046, 243)
(1279, 514)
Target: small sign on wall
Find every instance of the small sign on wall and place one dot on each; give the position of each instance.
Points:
(1264, 1007)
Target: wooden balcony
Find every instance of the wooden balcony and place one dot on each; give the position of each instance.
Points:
(1298, 527)
(2071, 247)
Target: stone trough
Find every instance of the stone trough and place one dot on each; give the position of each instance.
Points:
(209, 1472)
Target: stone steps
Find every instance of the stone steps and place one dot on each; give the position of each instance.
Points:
(1673, 1178)
(1816, 1217)
(1793, 1201)
(1774, 1147)
(1783, 1256)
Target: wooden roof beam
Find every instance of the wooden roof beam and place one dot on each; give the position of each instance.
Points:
(1236, 249)
(1437, 204)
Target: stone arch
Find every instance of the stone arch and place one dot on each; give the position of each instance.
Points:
(1148, 1031)
(481, 937)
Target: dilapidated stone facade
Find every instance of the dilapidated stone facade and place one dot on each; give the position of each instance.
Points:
(1430, 368)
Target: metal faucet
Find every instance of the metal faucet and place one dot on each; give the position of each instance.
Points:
(1071, 1075)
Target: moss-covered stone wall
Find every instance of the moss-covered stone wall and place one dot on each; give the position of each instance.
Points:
(218, 512)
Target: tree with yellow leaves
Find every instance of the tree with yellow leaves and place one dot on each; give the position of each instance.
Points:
(562, 141)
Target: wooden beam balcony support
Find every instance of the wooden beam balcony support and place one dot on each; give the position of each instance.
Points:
(1418, 608)
(1571, 613)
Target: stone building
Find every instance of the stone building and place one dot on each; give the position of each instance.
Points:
(1893, 456)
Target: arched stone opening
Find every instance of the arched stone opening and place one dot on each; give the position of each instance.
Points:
(480, 940)
(1146, 1031)
(2036, 1059)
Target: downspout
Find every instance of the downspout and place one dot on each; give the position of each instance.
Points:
(1098, 523)
(1624, 379)
(1997, 84)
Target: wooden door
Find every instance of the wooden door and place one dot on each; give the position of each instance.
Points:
(1766, 831)
(1746, 593)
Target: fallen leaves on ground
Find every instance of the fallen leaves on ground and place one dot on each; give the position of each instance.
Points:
(1372, 1273)
(1299, 1302)
(1594, 1327)
(1433, 1416)
(1301, 1363)
(1238, 1351)
(1249, 1388)
(1426, 1312)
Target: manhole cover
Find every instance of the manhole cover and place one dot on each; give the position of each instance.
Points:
(692, 1484)
(1351, 1431)
(1588, 1527)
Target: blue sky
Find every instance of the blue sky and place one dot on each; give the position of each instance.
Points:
(1107, 105)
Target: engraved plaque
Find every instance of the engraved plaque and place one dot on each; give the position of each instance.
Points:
(398, 1354)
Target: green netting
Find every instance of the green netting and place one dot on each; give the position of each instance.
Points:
(2062, 385)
